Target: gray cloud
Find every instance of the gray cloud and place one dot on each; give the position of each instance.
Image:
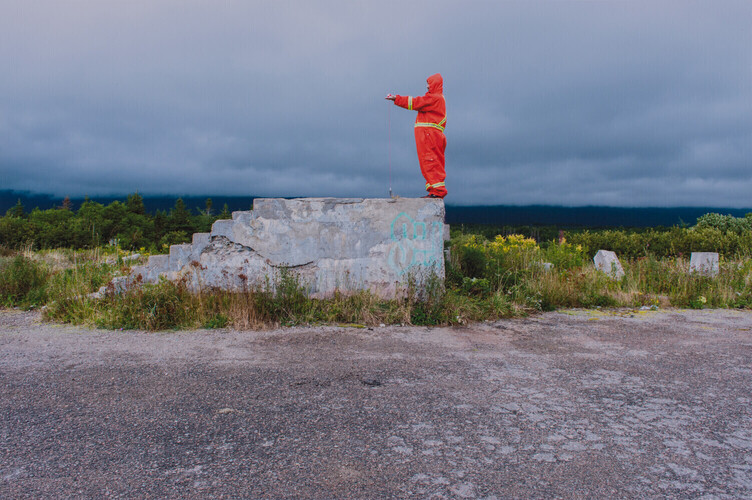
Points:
(618, 103)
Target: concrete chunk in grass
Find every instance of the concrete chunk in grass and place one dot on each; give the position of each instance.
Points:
(704, 263)
(606, 261)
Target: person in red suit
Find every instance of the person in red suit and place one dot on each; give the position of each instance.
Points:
(429, 133)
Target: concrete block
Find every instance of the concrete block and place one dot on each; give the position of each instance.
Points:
(329, 243)
(228, 266)
(243, 216)
(159, 263)
(222, 227)
(705, 263)
(149, 272)
(180, 256)
(200, 242)
(607, 262)
(296, 232)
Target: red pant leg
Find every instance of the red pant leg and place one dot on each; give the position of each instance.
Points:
(431, 144)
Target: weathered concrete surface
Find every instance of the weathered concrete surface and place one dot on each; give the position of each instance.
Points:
(576, 404)
(705, 263)
(329, 243)
(607, 262)
(150, 272)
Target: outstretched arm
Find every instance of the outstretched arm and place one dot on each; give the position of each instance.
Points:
(409, 102)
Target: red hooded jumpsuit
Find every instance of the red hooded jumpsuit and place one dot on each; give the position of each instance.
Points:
(429, 133)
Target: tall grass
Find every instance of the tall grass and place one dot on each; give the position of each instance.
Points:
(503, 278)
(23, 282)
(168, 305)
(492, 267)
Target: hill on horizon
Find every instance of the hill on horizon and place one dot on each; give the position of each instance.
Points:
(499, 215)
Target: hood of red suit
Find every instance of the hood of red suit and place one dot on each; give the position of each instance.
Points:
(435, 84)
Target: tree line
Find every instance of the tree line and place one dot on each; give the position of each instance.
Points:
(126, 224)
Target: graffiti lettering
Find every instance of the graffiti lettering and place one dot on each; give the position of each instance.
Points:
(414, 244)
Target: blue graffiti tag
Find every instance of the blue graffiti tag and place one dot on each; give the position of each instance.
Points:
(413, 244)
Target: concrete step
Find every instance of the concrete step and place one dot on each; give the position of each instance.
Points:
(200, 242)
(180, 255)
(222, 227)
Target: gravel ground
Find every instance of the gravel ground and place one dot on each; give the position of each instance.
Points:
(572, 404)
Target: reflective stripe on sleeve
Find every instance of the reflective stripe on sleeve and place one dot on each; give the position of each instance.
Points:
(410, 103)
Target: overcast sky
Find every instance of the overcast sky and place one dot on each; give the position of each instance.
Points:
(624, 103)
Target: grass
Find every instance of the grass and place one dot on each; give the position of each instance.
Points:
(478, 287)
(647, 282)
(168, 305)
(23, 282)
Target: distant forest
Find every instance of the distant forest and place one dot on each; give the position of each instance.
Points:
(497, 215)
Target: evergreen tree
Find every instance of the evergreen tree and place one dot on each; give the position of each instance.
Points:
(66, 203)
(180, 218)
(209, 204)
(18, 210)
(90, 217)
(225, 214)
(135, 204)
(160, 224)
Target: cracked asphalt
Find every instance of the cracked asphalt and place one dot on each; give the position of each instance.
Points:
(572, 404)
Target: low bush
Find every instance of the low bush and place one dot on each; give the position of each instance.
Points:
(675, 242)
(23, 282)
(725, 223)
(564, 255)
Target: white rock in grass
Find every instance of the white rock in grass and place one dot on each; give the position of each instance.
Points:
(607, 262)
(705, 263)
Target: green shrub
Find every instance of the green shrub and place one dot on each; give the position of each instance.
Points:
(174, 238)
(469, 256)
(503, 261)
(23, 282)
(564, 255)
(160, 306)
(217, 321)
(675, 242)
(69, 290)
(475, 286)
(725, 223)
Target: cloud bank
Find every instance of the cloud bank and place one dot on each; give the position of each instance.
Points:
(575, 103)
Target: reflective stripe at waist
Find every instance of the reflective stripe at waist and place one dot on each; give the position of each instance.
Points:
(428, 124)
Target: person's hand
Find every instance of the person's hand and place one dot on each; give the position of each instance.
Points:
(390, 97)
